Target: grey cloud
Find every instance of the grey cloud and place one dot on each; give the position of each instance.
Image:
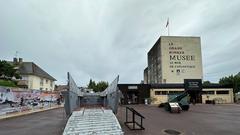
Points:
(101, 39)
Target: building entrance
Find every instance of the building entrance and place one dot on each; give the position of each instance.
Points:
(132, 97)
(195, 97)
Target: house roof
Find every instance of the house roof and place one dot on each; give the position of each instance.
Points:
(30, 68)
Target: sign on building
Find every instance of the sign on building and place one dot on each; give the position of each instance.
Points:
(193, 84)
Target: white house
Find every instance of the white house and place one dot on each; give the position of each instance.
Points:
(33, 76)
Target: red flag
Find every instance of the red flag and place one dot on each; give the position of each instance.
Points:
(167, 22)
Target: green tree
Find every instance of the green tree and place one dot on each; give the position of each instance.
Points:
(101, 86)
(206, 82)
(92, 85)
(97, 87)
(7, 71)
(232, 81)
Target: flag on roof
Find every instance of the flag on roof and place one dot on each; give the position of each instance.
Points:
(167, 22)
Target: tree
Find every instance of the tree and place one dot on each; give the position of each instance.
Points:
(8, 71)
(100, 86)
(92, 84)
(232, 81)
(206, 82)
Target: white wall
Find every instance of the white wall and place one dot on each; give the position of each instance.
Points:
(34, 83)
(158, 99)
(226, 98)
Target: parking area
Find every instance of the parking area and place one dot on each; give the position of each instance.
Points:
(201, 119)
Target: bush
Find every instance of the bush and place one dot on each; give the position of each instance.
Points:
(7, 83)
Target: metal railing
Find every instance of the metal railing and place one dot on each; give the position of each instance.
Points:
(133, 124)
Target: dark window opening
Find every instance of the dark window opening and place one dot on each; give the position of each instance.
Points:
(161, 92)
(208, 92)
(175, 92)
(223, 92)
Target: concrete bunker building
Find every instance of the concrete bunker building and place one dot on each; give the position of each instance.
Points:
(171, 61)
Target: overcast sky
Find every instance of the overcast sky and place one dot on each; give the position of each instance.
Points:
(100, 39)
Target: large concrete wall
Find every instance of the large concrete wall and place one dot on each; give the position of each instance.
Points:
(181, 59)
(174, 58)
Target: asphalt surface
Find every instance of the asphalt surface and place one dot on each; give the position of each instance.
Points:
(201, 119)
(51, 122)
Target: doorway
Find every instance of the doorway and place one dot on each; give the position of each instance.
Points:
(195, 97)
(132, 97)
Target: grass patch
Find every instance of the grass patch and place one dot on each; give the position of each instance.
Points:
(7, 83)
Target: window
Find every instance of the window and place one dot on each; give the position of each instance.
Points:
(161, 92)
(51, 83)
(208, 92)
(175, 92)
(132, 87)
(164, 92)
(24, 78)
(41, 82)
(46, 81)
(157, 92)
(164, 80)
(223, 92)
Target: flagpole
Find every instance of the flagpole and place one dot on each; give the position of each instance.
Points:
(168, 30)
(168, 27)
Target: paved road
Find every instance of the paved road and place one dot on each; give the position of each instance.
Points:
(50, 122)
(201, 119)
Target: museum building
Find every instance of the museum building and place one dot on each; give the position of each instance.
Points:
(171, 61)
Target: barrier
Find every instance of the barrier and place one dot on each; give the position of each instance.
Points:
(133, 120)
